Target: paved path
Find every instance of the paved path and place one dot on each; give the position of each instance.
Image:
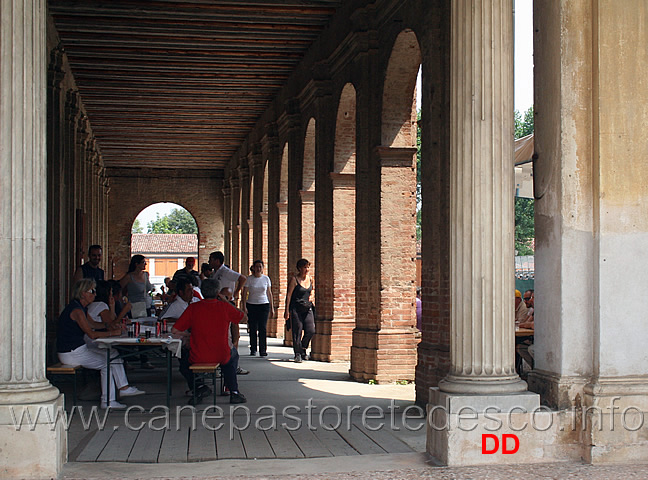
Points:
(294, 411)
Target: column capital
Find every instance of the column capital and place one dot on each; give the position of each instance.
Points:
(343, 181)
(282, 208)
(227, 192)
(396, 156)
(307, 196)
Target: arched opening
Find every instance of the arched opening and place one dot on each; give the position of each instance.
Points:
(166, 234)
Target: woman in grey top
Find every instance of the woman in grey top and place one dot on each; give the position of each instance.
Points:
(136, 281)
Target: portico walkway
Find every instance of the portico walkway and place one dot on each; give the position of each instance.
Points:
(294, 411)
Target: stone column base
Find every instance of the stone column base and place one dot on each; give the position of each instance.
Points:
(465, 429)
(33, 444)
(557, 391)
(615, 413)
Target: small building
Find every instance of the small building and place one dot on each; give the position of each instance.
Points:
(165, 253)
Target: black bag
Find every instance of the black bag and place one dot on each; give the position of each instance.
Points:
(302, 307)
(288, 324)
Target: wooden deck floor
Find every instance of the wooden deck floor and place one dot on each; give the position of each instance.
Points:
(201, 444)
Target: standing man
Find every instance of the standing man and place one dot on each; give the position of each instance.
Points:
(225, 276)
(90, 269)
(188, 272)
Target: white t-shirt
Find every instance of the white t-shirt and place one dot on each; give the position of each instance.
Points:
(176, 309)
(95, 309)
(226, 277)
(257, 289)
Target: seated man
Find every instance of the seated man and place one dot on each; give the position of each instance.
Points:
(209, 323)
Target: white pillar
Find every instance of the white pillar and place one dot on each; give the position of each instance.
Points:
(23, 212)
(481, 205)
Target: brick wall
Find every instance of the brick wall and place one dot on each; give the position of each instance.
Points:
(130, 194)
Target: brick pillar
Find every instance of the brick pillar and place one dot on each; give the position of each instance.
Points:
(434, 347)
(272, 153)
(335, 333)
(386, 349)
(255, 160)
(235, 224)
(227, 220)
(282, 266)
(244, 217)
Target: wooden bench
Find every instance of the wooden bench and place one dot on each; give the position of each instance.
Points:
(65, 371)
(203, 370)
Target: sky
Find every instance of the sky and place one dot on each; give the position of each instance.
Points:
(523, 65)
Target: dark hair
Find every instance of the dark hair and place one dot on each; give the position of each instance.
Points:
(134, 261)
(217, 256)
(255, 262)
(181, 284)
(94, 247)
(302, 262)
(103, 291)
(205, 266)
(190, 260)
(209, 288)
(116, 288)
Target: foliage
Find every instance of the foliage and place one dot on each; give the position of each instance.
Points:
(178, 221)
(137, 227)
(524, 226)
(523, 125)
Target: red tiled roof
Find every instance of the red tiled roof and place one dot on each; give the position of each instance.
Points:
(164, 243)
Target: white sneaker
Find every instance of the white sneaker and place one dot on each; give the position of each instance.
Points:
(113, 405)
(131, 392)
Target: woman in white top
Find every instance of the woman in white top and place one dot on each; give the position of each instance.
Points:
(257, 303)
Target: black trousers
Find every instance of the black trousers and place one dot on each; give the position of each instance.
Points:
(302, 323)
(257, 324)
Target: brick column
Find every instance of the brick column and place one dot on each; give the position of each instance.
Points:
(386, 350)
(235, 223)
(244, 217)
(255, 160)
(272, 154)
(283, 267)
(335, 333)
(38, 452)
(227, 219)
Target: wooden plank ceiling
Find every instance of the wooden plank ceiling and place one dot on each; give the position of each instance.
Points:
(179, 84)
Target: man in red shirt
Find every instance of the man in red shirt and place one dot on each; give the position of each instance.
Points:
(209, 322)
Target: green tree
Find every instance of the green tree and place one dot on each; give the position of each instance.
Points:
(137, 227)
(523, 123)
(524, 226)
(524, 207)
(178, 221)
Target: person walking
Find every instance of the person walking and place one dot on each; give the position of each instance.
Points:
(299, 309)
(257, 303)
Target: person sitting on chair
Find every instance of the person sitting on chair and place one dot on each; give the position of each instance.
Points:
(209, 323)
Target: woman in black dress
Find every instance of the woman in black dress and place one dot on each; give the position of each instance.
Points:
(299, 309)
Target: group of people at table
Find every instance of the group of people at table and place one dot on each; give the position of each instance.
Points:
(524, 316)
(201, 309)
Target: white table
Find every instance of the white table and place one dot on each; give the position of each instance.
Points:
(171, 346)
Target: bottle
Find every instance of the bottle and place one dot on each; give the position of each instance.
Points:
(157, 329)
